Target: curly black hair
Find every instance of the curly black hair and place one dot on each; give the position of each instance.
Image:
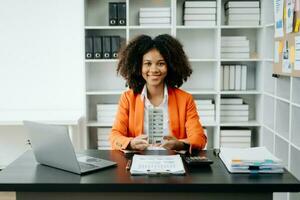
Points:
(131, 59)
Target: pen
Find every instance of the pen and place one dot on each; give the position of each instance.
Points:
(128, 165)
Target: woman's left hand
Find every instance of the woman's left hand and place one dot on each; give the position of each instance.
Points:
(171, 143)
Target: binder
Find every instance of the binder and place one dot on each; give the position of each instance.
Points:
(121, 14)
(115, 45)
(89, 47)
(106, 47)
(97, 47)
(113, 13)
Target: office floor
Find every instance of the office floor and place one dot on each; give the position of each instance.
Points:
(7, 196)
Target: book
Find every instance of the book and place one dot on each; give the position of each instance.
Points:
(157, 164)
(233, 17)
(199, 23)
(250, 160)
(107, 106)
(234, 43)
(234, 112)
(206, 112)
(235, 132)
(113, 13)
(98, 47)
(157, 20)
(222, 77)
(206, 107)
(233, 38)
(207, 17)
(115, 46)
(156, 9)
(235, 55)
(244, 77)
(231, 77)
(235, 144)
(231, 100)
(235, 49)
(242, 11)
(235, 107)
(234, 118)
(235, 139)
(154, 14)
(243, 23)
(199, 10)
(121, 13)
(203, 101)
(106, 47)
(238, 77)
(155, 24)
(242, 4)
(206, 4)
(226, 77)
(89, 50)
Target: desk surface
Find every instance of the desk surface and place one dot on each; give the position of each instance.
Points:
(25, 174)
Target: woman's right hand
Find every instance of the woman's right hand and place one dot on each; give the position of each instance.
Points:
(139, 143)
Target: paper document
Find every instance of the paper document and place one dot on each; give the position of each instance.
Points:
(250, 160)
(157, 165)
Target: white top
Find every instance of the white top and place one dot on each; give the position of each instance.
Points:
(163, 106)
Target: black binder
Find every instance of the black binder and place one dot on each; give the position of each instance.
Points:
(115, 45)
(98, 47)
(122, 14)
(106, 47)
(113, 14)
(89, 47)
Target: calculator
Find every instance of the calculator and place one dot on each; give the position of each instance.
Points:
(197, 160)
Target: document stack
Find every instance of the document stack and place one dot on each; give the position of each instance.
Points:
(155, 16)
(250, 160)
(106, 113)
(235, 47)
(199, 13)
(206, 110)
(234, 110)
(242, 13)
(103, 135)
(156, 125)
(235, 137)
(233, 77)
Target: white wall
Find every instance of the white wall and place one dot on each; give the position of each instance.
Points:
(41, 64)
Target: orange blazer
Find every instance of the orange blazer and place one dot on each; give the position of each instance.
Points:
(184, 120)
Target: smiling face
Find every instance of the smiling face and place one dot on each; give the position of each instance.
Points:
(154, 68)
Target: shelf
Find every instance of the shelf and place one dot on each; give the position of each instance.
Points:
(100, 60)
(240, 27)
(107, 92)
(282, 150)
(268, 138)
(98, 124)
(196, 92)
(196, 27)
(268, 110)
(150, 27)
(203, 60)
(242, 92)
(104, 27)
(282, 119)
(246, 124)
(242, 60)
(269, 60)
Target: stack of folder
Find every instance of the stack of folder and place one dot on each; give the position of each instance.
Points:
(117, 13)
(235, 137)
(206, 110)
(103, 138)
(234, 110)
(155, 16)
(235, 47)
(233, 77)
(242, 13)
(250, 160)
(199, 13)
(106, 113)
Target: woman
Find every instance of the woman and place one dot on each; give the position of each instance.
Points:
(154, 69)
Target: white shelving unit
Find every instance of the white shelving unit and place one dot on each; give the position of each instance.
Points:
(281, 111)
(202, 45)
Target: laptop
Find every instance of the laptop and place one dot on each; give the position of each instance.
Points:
(52, 146)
